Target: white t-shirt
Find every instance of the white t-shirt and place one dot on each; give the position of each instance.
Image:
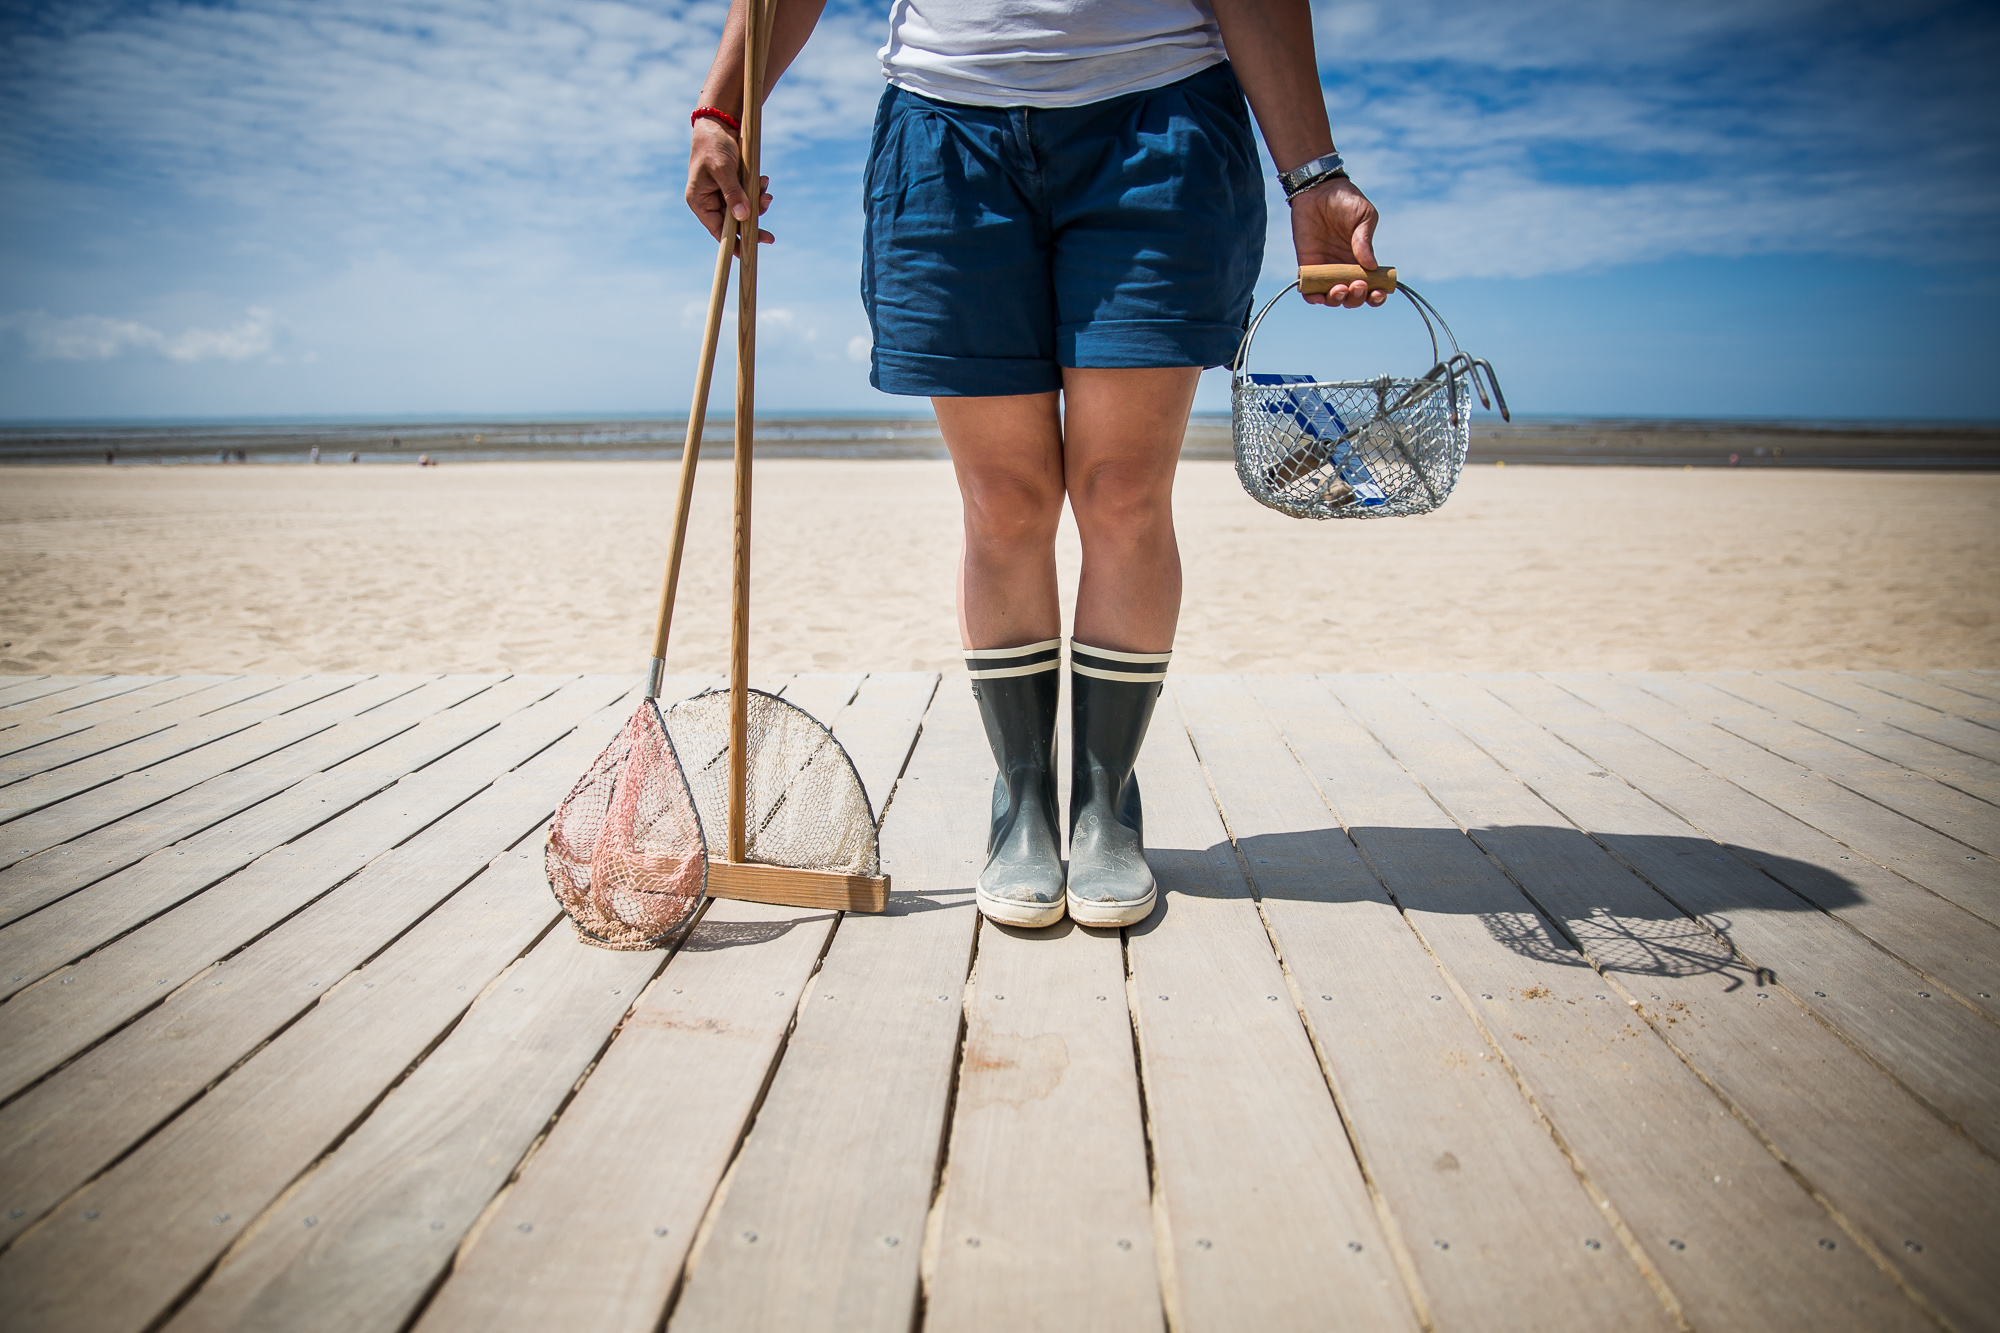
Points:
(1046, 52)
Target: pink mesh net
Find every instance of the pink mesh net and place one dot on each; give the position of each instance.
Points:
(625, 854)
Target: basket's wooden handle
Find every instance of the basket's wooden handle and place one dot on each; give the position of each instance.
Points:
(1319, 279)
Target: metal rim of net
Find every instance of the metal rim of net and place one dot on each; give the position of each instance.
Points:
(1379, 448)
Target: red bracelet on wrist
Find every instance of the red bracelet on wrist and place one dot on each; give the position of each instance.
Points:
(715, 113)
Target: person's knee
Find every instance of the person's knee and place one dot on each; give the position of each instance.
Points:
(1122, 501)
(1008, 509)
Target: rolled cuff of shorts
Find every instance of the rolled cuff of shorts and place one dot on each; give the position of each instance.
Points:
(925, 376)
(1146, 343)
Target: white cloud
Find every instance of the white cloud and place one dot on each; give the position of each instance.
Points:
(98, 338)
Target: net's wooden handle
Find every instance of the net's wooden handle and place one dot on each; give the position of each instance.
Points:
(1319, 279)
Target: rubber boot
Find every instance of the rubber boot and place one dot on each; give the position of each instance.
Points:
(1111, 698)
(1022, 884)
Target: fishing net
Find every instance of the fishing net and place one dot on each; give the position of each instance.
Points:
(626, 856)
(628, 851)
(803, 804)
(1379, 448)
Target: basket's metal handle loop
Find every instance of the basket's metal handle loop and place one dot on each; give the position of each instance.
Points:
(1425, 311)
(1242, 360)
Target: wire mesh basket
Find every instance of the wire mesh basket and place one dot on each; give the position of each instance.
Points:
(1379, 448)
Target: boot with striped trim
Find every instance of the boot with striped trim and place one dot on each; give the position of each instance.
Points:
(1022, 884)
(1111, 703)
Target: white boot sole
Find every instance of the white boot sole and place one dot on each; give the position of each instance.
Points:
(1009, 912)
(1087, 913)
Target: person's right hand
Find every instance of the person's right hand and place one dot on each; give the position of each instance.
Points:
(715, 179)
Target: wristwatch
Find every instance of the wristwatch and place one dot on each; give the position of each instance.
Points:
(1315, 172)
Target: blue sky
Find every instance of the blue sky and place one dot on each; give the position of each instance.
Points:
(305, 207)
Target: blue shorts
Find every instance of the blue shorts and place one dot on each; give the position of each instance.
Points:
(1003, 243)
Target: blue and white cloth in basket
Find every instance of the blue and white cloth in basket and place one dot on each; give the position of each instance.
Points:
(1316, 420)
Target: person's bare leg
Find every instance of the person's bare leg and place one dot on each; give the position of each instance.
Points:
(1122, 433)
(1121, 442)
(1008, 455)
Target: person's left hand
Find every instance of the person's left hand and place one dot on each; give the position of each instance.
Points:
(1333, 223)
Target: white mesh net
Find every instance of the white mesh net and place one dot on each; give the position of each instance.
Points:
(803, 802)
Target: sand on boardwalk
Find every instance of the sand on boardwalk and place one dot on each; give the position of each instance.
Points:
(551, 566)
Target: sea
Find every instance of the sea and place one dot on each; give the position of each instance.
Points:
(1528, 440)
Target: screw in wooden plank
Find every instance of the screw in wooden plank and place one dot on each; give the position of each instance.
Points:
(972, 1241)
(525, 1228)
(1124, 1244)
(1677, 1245)
(1205, 1245)
(1592, 1245)
(1354, 1247)
(1913, 1246)
(750, 1236)
(90, 1215)
(659, 1231)
(1442, 1244)
(892, 1241)
(312, 1221)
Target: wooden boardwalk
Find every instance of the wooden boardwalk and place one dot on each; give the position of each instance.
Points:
(1474, 1002)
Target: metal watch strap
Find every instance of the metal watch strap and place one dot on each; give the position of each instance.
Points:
(1312, 173)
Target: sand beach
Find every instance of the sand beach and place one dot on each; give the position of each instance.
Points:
(553, 566)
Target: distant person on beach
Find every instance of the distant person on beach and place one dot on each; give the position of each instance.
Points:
(1064, 222)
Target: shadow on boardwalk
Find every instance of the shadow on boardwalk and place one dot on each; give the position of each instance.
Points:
(1639, 917)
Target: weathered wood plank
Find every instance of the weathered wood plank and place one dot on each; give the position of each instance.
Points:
(283, 709)
(1935, 937)
(1842, 687)
(1937, 807)
(55, 693)
(1985, 684)
(1670, 1160)
(1943, 865)
(124, 1248)
(174, 690)
(596, 1229)
(52, 808)
(1889, 1167)
(1047, 1208)
(73, 1124)
(601, 1218)
(1945, 1053)
(13, 688)
(821, 1224)
(389, 1206)
(105, 830)
(1974, 707)
(305, 1088)
(1261, 1203)
(67, 1013)
(1782, 695)
(1446, 1136)
(33, 883)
